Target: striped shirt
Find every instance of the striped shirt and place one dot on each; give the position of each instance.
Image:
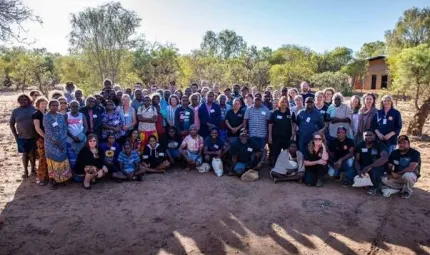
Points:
(128, 161)
(257, 121)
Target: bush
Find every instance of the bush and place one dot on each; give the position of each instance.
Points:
(337, 80)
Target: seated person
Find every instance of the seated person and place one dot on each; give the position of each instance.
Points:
(154, 158)
(134, 140)
(89, 164)
(110, 150)
(129, 164)
(403, 168)
(245, 154)
(215, 147)
(171, 142)
(191, 148)
(341, 154)
(370, 157)
(289, 165)
(316, 157)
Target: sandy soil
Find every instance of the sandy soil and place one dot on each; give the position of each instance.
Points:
(192, 213)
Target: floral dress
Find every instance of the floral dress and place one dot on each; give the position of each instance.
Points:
(113, 119)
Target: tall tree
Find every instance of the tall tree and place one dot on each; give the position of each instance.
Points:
(371, 49)
(333, 61)
(13, 13)
(226, 44)
(104, 34)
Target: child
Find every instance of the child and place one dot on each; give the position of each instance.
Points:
(171, 143)
(154, 158)
(110, 151)
(134, 140)
(129, 163)
(191, 148)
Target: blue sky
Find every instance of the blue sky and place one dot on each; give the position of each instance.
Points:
(318, 24)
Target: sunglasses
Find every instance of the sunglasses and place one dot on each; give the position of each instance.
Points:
(317, 139)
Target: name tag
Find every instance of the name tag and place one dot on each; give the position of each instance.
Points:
(308, 119)
(55, 124)
(145, 156)
(279, 117)
(212, 111)
(390, 118)
(94, 116)
(239, 115)
(345, 147)
(116, 122)
(374, 152)
(322, 112)
(264, 113)
(249, 149)
(396, 162)
(363, 149)
(384, 122)
(126, 115)
(161, 154)
(113, 148)
(187, 113)
(216, 146)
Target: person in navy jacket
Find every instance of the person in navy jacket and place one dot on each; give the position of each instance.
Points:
(93, 114)
(209, 115)
(387, 123)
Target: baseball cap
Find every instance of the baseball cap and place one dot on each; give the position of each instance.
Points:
(403, 138)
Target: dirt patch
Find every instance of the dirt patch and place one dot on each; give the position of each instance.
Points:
(192, 213)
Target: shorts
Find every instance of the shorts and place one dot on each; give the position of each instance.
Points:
(239, 168)
(174, 153)
(26, 145)
(195, 157)
(259, 142)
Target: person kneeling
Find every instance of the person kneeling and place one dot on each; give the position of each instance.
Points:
(215, 147)
(154, 158)
(191, 148)
(404, 168)
(289, 165)
(244, 154)
(89, 164)
(129, 164)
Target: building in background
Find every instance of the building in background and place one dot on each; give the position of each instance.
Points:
(377, 76)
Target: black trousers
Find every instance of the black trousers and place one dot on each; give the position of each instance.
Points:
(312, 173)
(278, 144)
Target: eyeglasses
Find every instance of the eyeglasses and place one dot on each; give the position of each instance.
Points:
(317, 139)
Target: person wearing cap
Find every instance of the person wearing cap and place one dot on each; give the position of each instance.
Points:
(289, 165)
(306, 91)
(387, 123)
(255, 120)
(309, 121)
(370, 157)
(244, 154)
(404, 165)
(341, 150)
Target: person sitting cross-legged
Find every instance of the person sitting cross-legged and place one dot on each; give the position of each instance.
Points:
(289, 165)
(154, 158)
(403, 167)
(191, 148)
(129, 163)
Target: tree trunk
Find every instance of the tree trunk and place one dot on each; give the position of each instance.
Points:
(417, 123)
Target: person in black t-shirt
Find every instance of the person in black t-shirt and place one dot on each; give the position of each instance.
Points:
(245, 154)
(214, 146)
(316, 157)
(370, 157)
(234, 120)
(154, 158)
(281, 128)
(341, 153)
(171, 143)
(403, 167)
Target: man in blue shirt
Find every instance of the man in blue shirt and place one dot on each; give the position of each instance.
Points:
(309, 121)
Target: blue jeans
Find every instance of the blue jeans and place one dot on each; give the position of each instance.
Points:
(174, 153)
(239, 168)
(347, 167)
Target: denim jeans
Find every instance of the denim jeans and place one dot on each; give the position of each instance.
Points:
(347, 167)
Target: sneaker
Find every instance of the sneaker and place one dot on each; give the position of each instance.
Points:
(319, 183)
(346, 184)
(372, 191)
(405, 195)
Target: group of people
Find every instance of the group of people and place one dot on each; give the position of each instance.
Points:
(128, 133)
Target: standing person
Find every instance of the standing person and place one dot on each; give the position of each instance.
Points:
(255, 120)
(281, 128)
(160, 124)
(216, 90)
(320, 105)
(236, 91)
(289, 165)
(55, 146)
(292, 93)
(93, 115)
(172, 87)
(111, 121)
(147, 116)
(79, 96)
(22, 127)
(89, 165)
(34, 95)
(227, 93)
(340, 115)
(306, 91)
(248, 103)
(328, 95)
(171, 109)
(154, 158)
(188, 92)
(64, 106)
(267, 101)
(316, 157)
(404, 165)
(366, 114)
(129, 92)
(194, 88)
(42, 169)
(341, 154)
(276, 95)
(224, 107)
(191, 149)
(204, 92)
(284, 93)
(298, 104)
(107, 84)
(179, 94)
(234, 121)
(370, 157)
(76, 129)
(309, 121)
(387, 123)
(355, 106)
(209, 115)
(70, 91)
(184, 117)
(128, 115)
(244, 92)
(195, 105)
(165, 95)
(254, 90)
(154, 88)
(137, 101)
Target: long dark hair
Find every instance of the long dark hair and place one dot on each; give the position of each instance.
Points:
(92, 136)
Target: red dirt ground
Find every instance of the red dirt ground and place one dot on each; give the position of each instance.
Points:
(193, 213)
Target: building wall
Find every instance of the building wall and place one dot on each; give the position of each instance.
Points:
(379, 68)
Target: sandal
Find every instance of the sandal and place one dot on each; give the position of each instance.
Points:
(53, 185)
(41, 183)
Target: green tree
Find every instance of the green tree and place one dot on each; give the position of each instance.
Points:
(104, 34)
(371, 49)
(225, 44)
(412, 74)
(333, 60)
(337, 80)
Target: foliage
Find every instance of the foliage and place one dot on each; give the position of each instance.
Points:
(371, 49)
(333, 60)
(337, 80)
(226, 44)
